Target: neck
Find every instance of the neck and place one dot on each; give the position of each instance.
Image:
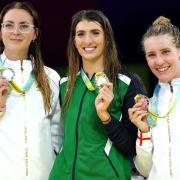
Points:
(91, 68)
(14, 55)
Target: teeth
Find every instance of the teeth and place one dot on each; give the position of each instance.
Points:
(89, 49)
(163, 69)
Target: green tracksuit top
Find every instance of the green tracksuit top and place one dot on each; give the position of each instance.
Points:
(87, 153)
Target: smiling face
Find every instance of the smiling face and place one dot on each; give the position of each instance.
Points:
(163, 57)
(89, 40)
(16, 41)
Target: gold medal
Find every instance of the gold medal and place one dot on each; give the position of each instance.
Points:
(100, 79)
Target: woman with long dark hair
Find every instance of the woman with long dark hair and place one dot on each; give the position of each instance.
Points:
(29, 105)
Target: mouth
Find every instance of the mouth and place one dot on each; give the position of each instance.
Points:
(164, 69)
(18, 40)
(89, 49)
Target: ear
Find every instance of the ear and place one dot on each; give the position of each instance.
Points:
(36, 32)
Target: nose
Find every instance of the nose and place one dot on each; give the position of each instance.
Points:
(159, 60)
(88, 39)
(16, 29)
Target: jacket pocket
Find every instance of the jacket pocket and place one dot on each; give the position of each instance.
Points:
(111, 164)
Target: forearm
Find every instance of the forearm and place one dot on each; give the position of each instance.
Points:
(120, 136)
(143, 158)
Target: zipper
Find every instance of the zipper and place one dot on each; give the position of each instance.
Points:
(169, 135)
(111, 164)
(26, 152)
(77, 136)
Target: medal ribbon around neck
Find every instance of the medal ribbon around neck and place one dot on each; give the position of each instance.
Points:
(26, 87)
(13, 84)
(152, 114)
(87, 81)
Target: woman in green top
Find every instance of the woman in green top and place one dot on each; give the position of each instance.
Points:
(98, 138)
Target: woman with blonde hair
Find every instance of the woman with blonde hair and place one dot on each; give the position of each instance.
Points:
(158, 144)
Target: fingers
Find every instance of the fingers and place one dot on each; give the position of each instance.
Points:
(4, 87)
(106, 92)
(136, 115)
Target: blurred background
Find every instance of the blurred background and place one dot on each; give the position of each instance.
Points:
(129, 19)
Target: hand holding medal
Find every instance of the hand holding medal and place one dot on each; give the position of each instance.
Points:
(142, 100)
(104, 97)
(138, 113)
(5, 75)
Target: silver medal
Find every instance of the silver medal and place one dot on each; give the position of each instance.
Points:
(7, 73)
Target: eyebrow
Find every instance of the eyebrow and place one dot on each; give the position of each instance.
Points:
(82, 30)
(23, 22)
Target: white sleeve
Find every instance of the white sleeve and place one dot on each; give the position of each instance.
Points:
(144, 148)
(57, 131)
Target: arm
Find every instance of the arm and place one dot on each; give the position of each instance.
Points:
(56, 128)
(4, 88)
(56, 123)
(143, 158)
(123, 134)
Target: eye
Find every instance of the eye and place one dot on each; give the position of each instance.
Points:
(8, 25)
(150, 55)
(167, 51)
(24, 26)
(96, 33)
(80, 34)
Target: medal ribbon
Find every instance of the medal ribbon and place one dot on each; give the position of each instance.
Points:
(27, 86)
(13, 84)
(152, 113)
(87, 81)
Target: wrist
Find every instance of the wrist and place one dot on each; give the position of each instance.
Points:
(107, 121)
(104, 116)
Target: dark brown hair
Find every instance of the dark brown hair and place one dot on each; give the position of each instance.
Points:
(111, 63)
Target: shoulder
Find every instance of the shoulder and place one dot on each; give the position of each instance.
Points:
(51, 73)
(124, 78)
(63, 80)
(53, 76)
(136, 82)
(128, 77)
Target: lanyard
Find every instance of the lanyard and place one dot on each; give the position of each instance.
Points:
(87, 81)
(152, 111)
(26, 87)
(13, 84)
